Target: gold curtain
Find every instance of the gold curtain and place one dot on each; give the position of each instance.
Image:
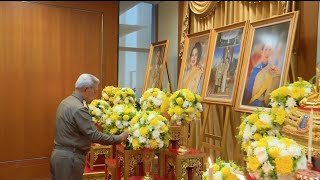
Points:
(202, 15)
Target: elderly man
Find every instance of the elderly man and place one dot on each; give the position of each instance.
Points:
(74, 131)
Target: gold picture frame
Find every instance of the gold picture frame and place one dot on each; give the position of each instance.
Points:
(194, 61)
(266, 60)
(156, 65)
(224, 63)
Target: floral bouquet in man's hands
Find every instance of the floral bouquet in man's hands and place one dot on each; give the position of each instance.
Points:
(290, 95)
(148, 129)
(118, 119)
(108, 94)
(125, 96)
(275, 158)
(154, 100)
(97, 108)
(185, 107)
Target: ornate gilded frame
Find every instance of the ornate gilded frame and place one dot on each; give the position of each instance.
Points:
(217, 33)
(151, 59)
(273, 21)
(203, 38)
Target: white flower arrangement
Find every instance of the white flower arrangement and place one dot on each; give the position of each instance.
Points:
(124, 96)
(273, 157)
(97, 108)
(148, 129)
(185, 107)
(154, 100)
(118, 119)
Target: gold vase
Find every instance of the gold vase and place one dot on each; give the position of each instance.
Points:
(148, 158)
(184, 139)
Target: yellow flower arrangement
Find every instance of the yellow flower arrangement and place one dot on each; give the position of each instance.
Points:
(223, 171)
(290, 95)
(154, 100)
(124, 96)
(108, 94)
(148, 129)
(118, 119)
(97, 108)
(272, 157)
(260, 123)
(185, 107)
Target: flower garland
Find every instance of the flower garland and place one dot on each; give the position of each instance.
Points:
(118, 119)
(97, 108)
(222, 171)
(148, 129)
(154, 100)
(185, 107)
(273, 157)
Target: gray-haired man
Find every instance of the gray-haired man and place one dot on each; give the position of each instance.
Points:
(74, 131)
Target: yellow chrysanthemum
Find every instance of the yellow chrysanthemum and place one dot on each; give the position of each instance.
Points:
(114, 130)
(297, 92)
(178, 110)
(143, 131)
(154, 121)
(153, 144)
(225, 171)
(253, 163)
(126, 117)
(164, 128)
(134, 120)
(252, 118)
(257, 136)
(190, 97)
(216, 167)
(135, 144)
(284, 164)
(179, 101)
(190, 110)
(274, 152)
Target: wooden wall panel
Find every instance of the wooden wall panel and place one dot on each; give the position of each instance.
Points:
(43, 49)
(306, 39)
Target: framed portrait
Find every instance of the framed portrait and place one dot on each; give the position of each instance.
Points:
(194, 61)
(156, 65)
(266, 61)
(224, 61)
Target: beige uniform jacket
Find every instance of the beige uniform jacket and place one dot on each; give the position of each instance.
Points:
(74, 126)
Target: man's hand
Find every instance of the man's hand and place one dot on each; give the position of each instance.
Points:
(124, 136)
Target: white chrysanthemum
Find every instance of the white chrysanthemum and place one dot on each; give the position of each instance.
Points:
(142, 120)
(178, 122)
(160, 144)
(290, 103)
(199, 106)
(118, 109)
(155, 134)
(247, 134)
(274, 104)
(98, 112)
(284, 152)
(176, 117)
(126, 101)
(261, 154)
(117, 99)
(254, 144)
(136, 133)
(294, 150)
(302, 163)
(265, 118)
(142, 139)
(118, 123)
(267, 167)
(249, 153)
(273, 143)
(307, 91)
(151, 116)
(253, 129)
(125, 123)
(136, 126)
(217, 176)
(186, 104)
(108, 121)
(157, 102)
